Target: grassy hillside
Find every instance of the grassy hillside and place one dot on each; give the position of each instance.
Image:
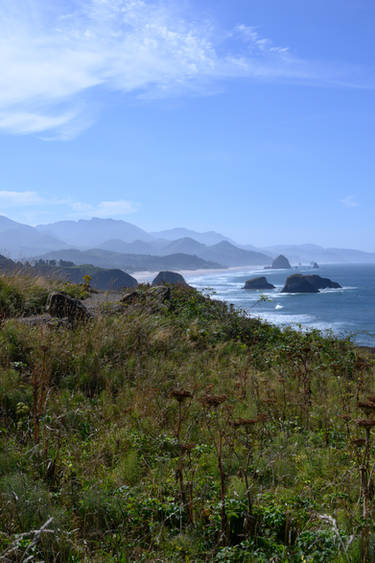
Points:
(179, 430)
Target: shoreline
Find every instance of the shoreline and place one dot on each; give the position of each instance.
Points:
(199, 277)
(145, 276)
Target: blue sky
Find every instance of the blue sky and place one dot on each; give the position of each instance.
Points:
(251, 117)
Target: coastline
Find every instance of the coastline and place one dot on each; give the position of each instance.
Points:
(147, 276)
(338, 310)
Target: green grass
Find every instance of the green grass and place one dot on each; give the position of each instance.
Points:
(247, 466)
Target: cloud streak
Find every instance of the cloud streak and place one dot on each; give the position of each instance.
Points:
(32, 202)
(10, 198)
(349, 202)
(104, 209)
(54, 59)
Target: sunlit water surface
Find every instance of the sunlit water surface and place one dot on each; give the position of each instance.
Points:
(346, 311)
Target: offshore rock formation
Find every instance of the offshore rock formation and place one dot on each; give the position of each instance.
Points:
(169, 278)
(112, 280)
(260, 282)
(299, 283)
(281, 262)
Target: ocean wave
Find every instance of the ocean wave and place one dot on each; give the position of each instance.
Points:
(337, 289)
(280, 319)
(305, 322)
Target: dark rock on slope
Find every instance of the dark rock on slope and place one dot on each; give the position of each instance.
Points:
(152, 299)
(62, 306)
(258, 283)
(169, 278)
(299, 283)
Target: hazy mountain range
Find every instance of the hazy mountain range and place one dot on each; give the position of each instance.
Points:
(117, 243)
(304, 253)
(131, 262)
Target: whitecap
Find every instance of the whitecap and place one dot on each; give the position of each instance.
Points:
(281, 319)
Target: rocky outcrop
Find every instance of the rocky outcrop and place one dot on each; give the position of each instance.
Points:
(152, 299)
(160, 293)
(62, 306)
(157, 294)
(299, 283)
(131, 297)
(172, 278)
(281, 263)
(315, 265)
(322, 283)
(258, 283)
(112, 280)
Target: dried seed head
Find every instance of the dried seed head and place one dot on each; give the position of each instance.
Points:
(366, 422)
(249, 421)
(244, 422)
(358, 442)
(187, 447)
(213, 400)
(366, 405)
(181, 394)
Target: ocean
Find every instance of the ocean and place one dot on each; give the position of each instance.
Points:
(349, 311)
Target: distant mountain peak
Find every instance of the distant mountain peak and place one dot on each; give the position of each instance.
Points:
(225, 244)
(209, 237)
(95, 231)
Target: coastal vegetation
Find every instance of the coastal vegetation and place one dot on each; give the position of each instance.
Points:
(172, 428)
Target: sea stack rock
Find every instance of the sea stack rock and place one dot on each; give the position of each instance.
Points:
(315, 265)
(258, 283)
(299, 283)
(169, 278)
(281, 263)
(322, 283)
(112, 280)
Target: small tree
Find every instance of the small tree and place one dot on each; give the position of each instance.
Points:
(86, 282)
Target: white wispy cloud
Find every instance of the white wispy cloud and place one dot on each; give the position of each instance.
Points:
(31, 200)
(55, 55)
(349, 201)
(104, 208)
(11, 198)
(258, 43)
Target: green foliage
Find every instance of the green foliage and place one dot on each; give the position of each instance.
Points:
(77, 291)
(183, 431)
(11, 300)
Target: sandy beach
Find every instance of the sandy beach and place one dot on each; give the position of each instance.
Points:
(146, 276)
